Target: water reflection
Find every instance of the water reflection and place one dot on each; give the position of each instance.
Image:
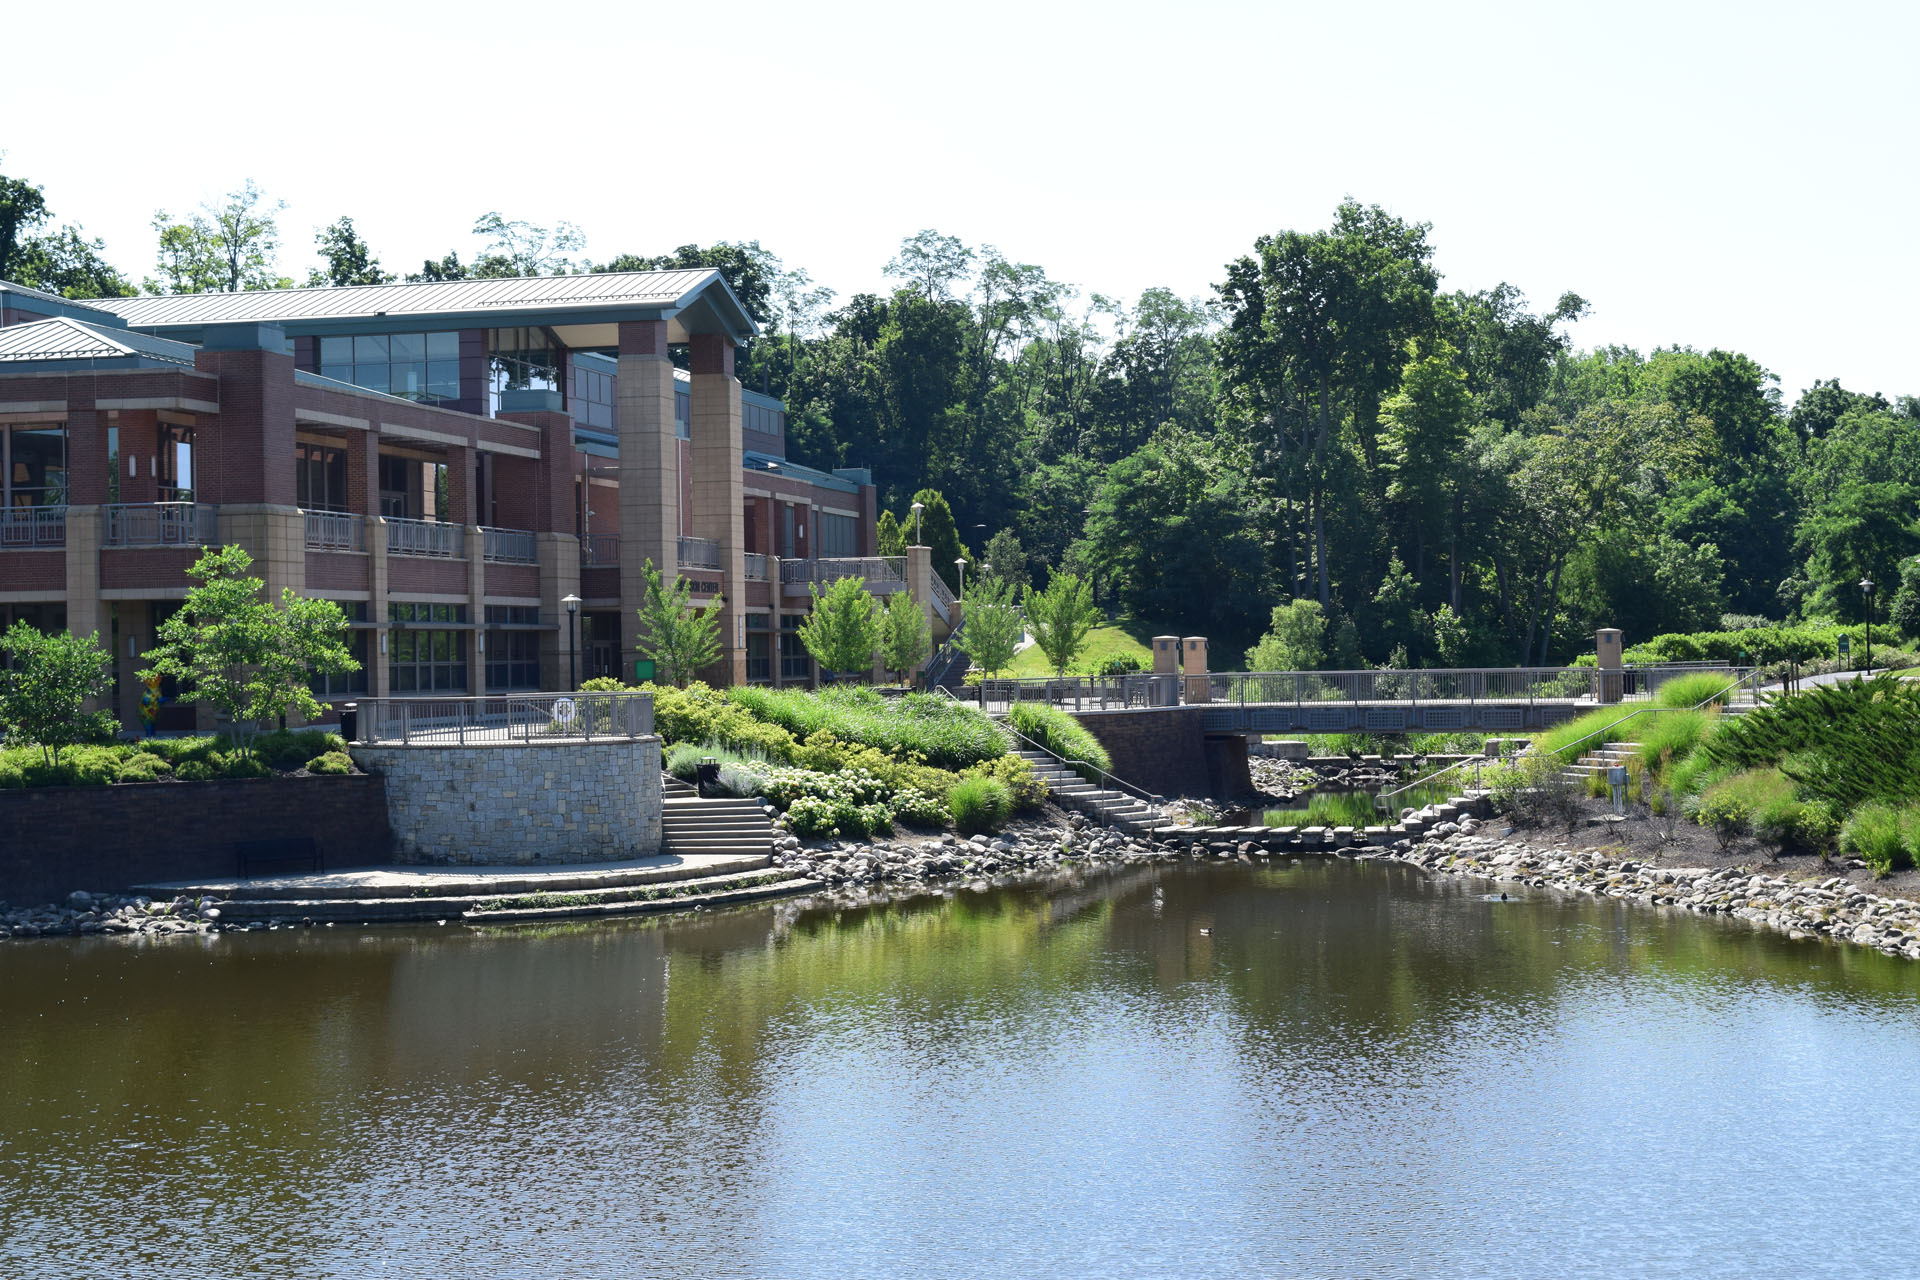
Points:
(1313, 1068)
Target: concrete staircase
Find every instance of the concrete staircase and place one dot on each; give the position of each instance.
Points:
(1599, 761)
(736, 828)
(1113, 808)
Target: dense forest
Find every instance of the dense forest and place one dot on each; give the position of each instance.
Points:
(1442, 472)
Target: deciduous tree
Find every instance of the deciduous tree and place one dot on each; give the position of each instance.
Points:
(843, 631)
(1060, 618)
(678, 637)
(45, 684)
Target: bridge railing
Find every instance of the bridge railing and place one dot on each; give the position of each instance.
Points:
(1416, 685)
(1082, 693)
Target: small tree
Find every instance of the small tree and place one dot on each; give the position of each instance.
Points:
(248, 656)
(991, 630)
(44, 689)
(678, 637)
(905, 638)
(1061, 616)
(892, 541)
(844, 628)
(1007, 558)
(1296, 642)
(1904, 613)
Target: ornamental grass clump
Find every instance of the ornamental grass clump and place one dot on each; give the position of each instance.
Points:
(939, 731)
(1055, 731)
(1881, 836)
(1672, 736)
(979, 804)
(1588, 732)
(1694, 688)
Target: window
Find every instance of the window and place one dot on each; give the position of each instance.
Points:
(396, 487)
(173, 465)
(591, 395)
(682, 411)
(836, 535)
(346, 684)
(413, 366)
(513, 659)
(320, 477)
(786, 531)
(794, 658)
(758, 417)
(523, 359)
(35, 465)
(422, 657)
(759, 647)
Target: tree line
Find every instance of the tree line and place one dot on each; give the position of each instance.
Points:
(1412, 473)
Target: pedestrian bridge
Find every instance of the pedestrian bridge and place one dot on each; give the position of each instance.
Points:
(1428, 700)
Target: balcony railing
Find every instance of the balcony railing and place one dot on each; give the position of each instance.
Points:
(161, 524)
(425, 538)
(333, 531)
(33, 527)
(881, 573)
(600, 549)
(756, 567)
(699, 553)
(507, 546)
(506, 718)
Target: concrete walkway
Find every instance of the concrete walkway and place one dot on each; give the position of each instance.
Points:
(394, 881)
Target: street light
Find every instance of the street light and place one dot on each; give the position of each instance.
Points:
(573, 623)
(1866, 585)
(960, 563)
(918, 507)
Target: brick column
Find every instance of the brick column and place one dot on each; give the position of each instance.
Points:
(717, 486)
(139, 444)
(86, 529)
(87, 463)
(649, 467)
(920, 587)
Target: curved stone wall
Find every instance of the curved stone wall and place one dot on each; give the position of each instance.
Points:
(518, 803)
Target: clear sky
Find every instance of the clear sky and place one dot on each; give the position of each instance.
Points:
(1737, 175)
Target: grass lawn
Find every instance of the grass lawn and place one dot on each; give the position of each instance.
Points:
(1102, 643)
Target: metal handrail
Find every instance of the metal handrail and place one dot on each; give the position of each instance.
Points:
(507, 546)
(33, 526)
(883, 571)
(699, 553)
(333, 531)
(506, 718)
(434, 538)
(1381, 798)
(756, 566)
(161, 524)
(600, 549)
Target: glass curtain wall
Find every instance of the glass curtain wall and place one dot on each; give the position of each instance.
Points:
(33, 465)
(413, 366)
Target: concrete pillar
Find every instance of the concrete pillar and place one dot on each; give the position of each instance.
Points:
(378, 685)
(275, 536)
(1608, 647)
(476, 608)
(920, 587)
(718, 500)
(135, 638)
(649, 467)
(559, 578)
(461, 505)
(1193, 664)
(86, 529)
(1166, 655)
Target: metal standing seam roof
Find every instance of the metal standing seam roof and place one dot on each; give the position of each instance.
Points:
(63, 338)
(610, 290)
(28, 291)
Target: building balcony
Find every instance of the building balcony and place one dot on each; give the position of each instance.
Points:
(597, 549)
(756, 567)
(882, 574)
(699, 553)
(28, 527)
(162, 524)
(434, 539)
(508, 546)
(333, 531)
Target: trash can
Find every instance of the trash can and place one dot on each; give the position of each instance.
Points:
(707, 777)
(350, 722)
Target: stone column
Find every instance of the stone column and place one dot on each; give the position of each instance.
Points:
(1608, 650)
(1194, 666)
(773, 619)
(718, 500)
(378, 685)
(920, 587)
(649, 467)
(559, 578)
(86, 530)
(476, 608)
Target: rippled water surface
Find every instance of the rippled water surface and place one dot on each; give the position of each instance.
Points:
(1323, 1069)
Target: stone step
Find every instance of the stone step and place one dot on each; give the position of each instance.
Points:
(717, 897)
(453, 882)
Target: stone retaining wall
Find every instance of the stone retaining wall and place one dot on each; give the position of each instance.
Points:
(516, 803)
(54, 840)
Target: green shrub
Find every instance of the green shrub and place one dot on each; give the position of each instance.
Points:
(1725, 814)
(1804, 824)
(331, 763)
(1054, 730)
(1874, 834)
(176, 750)
(604, 684)
(932, 727)
(979, 804)
(139, 766)
(1759, 645)
(700, 715)
(1671, 736)
(1694, 688)
(1016, 775)
(683, 759)
(291, 748)
(1845, 743)
(1121, 664)
(1589, 732)
(920, 809)
(80, 766)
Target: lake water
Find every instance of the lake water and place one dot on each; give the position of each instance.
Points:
(1319, 1069)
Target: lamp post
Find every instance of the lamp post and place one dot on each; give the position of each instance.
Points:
(960, 563)
(1866, 585)
(918, 507)
(573, 623)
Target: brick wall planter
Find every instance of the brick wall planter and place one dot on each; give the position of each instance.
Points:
(54, 840)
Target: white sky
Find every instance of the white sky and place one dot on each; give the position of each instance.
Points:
(1738, 175)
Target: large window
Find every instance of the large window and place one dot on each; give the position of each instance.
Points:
(34, 460)
(173, 465)
(836, 535)
(397, 485)
(758, 417)
(591, 395)
(513, 646)
(423, 657)
(320, 478)
(793, 653)
(414, 366)
(346, 684)
(759, 648)
(522, 359)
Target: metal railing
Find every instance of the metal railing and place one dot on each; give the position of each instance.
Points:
(699, 553)
(1470, 686)
(161, 524)
(942, 593)
(33, 527)
(507, 546)
(756, 567)
(881, 573)
(333, 531)
(434, 538)
(600, 549)
(1152, 798)
(506, 718)
(1083, 693)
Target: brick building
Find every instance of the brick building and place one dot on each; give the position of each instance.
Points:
(449, 461)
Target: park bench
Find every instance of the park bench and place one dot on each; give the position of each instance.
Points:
(280, 850)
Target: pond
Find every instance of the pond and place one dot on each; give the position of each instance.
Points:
(1316, 1068)
(1343, 808)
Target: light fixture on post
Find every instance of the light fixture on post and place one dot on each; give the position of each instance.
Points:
(918, 507)
(1866, 585)
(573, 619)
(960, 563)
